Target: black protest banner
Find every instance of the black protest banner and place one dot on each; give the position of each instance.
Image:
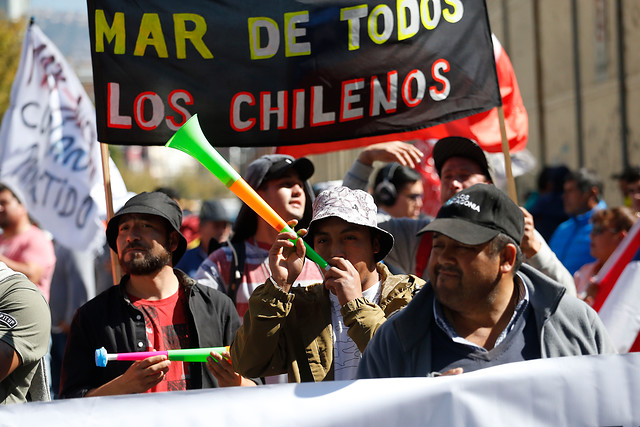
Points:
(262, 73)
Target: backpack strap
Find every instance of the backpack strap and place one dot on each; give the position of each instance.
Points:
(238, 257)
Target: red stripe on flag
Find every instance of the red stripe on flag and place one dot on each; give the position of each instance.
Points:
(611, 272)
(636, 345)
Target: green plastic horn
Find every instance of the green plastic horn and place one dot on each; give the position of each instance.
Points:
(190, 139)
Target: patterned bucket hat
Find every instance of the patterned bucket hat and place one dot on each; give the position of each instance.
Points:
(353, 206)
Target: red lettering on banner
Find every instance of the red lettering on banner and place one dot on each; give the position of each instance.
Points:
(114, 119)
(157, 110)
(439, 67)
(347, 112)
(318, 116)
(383, 99)
(237, 123)
(298, 109)
(421, 84)
(280, 110)
(174, 97)
(378, 98)
(148, 109)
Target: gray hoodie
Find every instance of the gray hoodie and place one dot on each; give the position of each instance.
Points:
(566, 326)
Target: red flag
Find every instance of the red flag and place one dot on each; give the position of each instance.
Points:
(619, 293)
(482, 127)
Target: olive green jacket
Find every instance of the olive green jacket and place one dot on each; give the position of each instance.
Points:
(292, 332)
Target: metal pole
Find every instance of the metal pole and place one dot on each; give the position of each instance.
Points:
(622, 82)
(578, 81)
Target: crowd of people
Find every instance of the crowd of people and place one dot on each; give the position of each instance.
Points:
(403, 294)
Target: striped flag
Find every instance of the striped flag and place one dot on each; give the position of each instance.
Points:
(618, 300)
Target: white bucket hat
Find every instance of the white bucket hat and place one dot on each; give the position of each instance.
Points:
(353, 206)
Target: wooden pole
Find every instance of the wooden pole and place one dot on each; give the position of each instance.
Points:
(104, 151)
(511, 182)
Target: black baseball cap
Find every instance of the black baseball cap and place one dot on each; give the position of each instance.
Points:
(477, 214)
(458, 146)
(273, 166)
(155, 203)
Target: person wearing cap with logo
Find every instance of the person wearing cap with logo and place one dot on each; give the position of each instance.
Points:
(214, 223)
(153, 307)
(318, 333)
(240, 267)
(460, 163)
(481, 307)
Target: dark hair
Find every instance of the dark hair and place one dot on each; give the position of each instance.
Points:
(5, 188)
(551, 178)
(586, 179)
(620, 218)
(499, 242)
(398, 176)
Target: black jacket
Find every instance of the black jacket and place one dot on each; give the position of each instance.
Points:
(111, 321)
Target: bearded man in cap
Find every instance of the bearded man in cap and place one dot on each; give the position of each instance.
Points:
(155, 307)
(317, 333)
(481, 307)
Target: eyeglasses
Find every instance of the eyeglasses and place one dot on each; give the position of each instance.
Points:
(599, 229)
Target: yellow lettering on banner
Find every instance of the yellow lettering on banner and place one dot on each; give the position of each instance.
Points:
(115, 31)
(292, 32)
(428, 21)
(352, 15)
(150, 34)
(407, 31)
(456, 15)
(273, 37)
(195, 35)
(387, 19)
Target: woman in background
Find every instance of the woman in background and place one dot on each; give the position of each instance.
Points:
(610, 226)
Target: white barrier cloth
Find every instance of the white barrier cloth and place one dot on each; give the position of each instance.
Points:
(574, 391)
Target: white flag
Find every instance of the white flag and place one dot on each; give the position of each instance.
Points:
(49, 147)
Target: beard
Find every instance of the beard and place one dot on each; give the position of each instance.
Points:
(146, 263)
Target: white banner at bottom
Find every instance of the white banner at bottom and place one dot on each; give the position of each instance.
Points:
(587, 390)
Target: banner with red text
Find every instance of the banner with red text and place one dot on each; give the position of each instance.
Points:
(484, 128)
(289, 72)
(48, 148)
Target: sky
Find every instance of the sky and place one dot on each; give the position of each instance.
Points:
(60, 5)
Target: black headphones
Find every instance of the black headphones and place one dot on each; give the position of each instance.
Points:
(385, 192)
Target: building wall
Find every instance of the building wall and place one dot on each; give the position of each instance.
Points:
(579, 127)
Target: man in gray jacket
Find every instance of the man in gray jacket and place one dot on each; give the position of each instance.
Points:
(478, 310)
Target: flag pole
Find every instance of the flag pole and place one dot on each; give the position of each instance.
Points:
(104, 151)
(511, 182)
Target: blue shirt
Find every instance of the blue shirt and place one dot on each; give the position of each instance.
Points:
(571, 241)
(191, 260)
